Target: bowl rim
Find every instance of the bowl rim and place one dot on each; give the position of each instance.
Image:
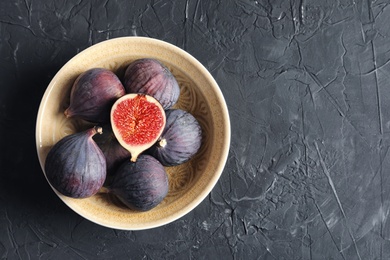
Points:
(222, 104)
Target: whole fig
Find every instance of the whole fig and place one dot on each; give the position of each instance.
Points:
(75, 166)
(149, 76)
(93, 93)
(180, 139)
(140, 185)
(113, 151)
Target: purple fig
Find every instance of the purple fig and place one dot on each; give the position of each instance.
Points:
(180, 139)
(75, 166)
(140, 185)
(92, 95)
(151, 77)
(113, 151)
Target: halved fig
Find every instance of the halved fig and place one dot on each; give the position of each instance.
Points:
(137, 121)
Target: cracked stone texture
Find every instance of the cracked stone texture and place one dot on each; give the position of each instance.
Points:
(307, 87)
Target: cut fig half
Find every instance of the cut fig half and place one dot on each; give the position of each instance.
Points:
(137, 121)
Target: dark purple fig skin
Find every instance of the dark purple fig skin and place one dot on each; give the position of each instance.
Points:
(151, 77)
(92, 95)
(180, 139)
(113, 151)
(140, 185)
(75, 166)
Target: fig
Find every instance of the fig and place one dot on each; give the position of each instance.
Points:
(75, 166)
(149, 76)
(92, 95)
(180, 139)
(140, 185)
(137, 121)
(113, 151)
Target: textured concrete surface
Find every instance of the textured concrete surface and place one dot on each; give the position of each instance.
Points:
(307, 87)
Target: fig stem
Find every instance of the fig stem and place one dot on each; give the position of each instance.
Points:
(67, 113)
(95, 130)
(104, 190)
(99, 129)
(134, 158)
(162, 142)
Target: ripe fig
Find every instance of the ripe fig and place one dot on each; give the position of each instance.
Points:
(140, 185)
(180, 140)
(149, 76)
(92, 95)
(75, 166)
(113, 151)
(137, 121)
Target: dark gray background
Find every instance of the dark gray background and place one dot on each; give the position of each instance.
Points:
(307, 87)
